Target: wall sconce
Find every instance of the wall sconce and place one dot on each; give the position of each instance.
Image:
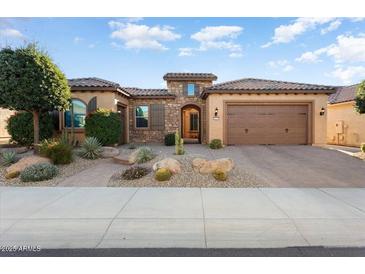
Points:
(216, 117)
(322, 111)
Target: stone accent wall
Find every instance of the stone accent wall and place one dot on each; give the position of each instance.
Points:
(172, 113)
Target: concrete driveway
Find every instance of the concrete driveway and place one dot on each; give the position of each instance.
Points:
(298, 166)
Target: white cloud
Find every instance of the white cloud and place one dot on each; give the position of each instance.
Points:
(287, 33)
(283, 65)
(11, 33)
(346, 75)
(216, 37)
(186, 51)
(331, 27)
(135, 36)
(78, 39)
(357, 19)
(91, 46)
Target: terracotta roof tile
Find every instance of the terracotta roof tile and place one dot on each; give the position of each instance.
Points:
(140, 92)
(92, 82)
(343, 94)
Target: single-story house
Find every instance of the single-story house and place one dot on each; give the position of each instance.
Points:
(345, 126)
(244, 111)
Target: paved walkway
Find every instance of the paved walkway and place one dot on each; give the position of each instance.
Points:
(181, 217)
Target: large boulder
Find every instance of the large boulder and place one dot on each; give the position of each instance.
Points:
(204, 166)
(15, 169)
(169, 163)
(109, 152)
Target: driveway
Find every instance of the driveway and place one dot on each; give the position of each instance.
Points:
(298, 166)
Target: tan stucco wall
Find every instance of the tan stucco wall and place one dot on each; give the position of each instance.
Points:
(216, 127)
(4, 115)
(353, 125)
(106, 100)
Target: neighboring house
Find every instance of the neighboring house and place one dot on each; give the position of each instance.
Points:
(245, 111)
(4, 115)
(345, 126)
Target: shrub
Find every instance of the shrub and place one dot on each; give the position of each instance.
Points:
(215, 144)
(135, 173)
(104, 125)
(20, 127)
(8, 158)
(220, 175)
(170, 139)
(91, 148)
(362, 147)
(142, 155)
(179, 144)
(163, 174)
(59, 152)
(38, 172)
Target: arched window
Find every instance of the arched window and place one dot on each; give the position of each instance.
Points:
(77, 114)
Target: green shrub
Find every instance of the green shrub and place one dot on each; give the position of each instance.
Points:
(220, 175)
(362, 147)
(20, 128)
(91, 148)
(142, 155)
(8, 158)
(135, 173)
(38, 172)
(179, 144)
(104, 125)
(163, 174)
(215, 144)
(58, 151)
(170, 139)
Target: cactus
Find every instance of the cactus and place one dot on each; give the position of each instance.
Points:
(179, 144)
(220, 175)
(163, 174)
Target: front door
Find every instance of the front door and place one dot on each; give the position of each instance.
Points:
(122, 110)
(191, 124)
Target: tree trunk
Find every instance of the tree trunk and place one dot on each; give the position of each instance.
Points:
(36, 128)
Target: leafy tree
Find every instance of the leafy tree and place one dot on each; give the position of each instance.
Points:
(30, 81)
(360, 98)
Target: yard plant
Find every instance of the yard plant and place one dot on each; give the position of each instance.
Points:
(104, 125)
(91, 148)
(30, 81)
(216, 144)
(136, 172)
(360, 98)
(59, 151)
(8, 158)
(170, 139)
(38, 172)
(163, 174)
(179, 144)
(220, 175)
(362, 147)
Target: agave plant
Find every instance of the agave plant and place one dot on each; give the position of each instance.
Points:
(91, 148)
(8, 157)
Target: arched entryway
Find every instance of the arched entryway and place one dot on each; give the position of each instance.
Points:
(191, 124)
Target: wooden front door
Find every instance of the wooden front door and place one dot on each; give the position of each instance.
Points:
(123, 119)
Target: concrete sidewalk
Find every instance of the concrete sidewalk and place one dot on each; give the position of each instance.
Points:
(181, 217)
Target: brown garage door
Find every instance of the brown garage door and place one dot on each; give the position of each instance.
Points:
(267, 124)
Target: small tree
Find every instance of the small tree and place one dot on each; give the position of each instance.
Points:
(360, 98)
(30, 81)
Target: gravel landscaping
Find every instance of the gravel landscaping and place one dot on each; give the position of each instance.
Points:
(188, 177)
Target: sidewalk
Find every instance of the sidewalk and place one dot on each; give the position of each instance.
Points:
(181, 217)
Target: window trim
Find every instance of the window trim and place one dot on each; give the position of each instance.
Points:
(135, 117)
(72, 112)
(187, 89)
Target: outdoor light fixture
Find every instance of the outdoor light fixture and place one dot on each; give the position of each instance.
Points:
(322, 111)
(216, 113)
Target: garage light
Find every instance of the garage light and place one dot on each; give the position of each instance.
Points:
(322, 111)
(216, 113)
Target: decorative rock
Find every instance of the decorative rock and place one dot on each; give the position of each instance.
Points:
(169, 163)
(109, 152)
(15, 169)
(20, 150)
(205, 167)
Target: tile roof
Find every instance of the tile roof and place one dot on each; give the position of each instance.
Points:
(343, 94)
(252, 84)
(92, 82)
(140, 92)
(189, 76)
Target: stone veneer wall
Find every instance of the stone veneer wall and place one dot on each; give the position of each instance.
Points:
(172, 113)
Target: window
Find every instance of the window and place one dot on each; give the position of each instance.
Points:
(194, 121)
(191, 89)
(142, 116)
(79, 114)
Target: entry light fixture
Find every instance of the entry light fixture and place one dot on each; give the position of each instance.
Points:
(322, 111)
(216, 113)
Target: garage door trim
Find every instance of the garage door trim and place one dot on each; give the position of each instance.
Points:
(309, 104)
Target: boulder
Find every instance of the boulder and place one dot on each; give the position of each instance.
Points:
(15, 169)
(205, 166)
(109, 152)
(169, 163)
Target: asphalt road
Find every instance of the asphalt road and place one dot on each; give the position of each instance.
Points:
(195, 252)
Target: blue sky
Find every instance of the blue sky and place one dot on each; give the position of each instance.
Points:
(139, 51)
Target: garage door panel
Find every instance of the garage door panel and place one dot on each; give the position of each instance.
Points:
(267, 124)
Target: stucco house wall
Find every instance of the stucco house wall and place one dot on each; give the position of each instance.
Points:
(351, 125)
(216, 127)
(4, 115)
